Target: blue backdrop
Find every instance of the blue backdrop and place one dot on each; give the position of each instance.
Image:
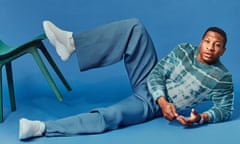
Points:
(169, 22)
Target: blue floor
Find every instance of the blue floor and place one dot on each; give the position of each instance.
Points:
(169, 22)
(44, 105)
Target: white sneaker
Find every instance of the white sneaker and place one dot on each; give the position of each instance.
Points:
(29, 129)
(60, 39)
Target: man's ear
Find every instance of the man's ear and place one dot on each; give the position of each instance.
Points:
(223, 51)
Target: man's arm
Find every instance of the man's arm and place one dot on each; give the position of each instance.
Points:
(168, 109)
(222, 98)
(156, 82)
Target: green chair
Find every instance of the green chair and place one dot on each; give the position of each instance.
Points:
(8, 54)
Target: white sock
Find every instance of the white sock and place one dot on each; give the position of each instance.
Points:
(60, 39)
(29, 129)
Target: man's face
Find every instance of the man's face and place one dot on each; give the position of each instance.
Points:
(211, 48)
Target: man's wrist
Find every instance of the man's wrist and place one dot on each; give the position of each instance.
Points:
(201, 120)
(161, 101)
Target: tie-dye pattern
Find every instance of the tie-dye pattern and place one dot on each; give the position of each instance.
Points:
(186, 82)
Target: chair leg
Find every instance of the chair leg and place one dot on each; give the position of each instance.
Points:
(53, 64)
(46, 73)
(1, 97)
(10, 85)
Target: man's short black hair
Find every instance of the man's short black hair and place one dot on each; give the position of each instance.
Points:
(217, 30)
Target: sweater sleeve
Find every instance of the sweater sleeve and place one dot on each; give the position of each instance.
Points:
(222, 101)
(156, 80)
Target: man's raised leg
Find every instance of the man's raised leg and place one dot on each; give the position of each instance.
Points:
(108, 44)
(125, 40)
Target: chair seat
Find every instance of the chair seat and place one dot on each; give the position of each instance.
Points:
(5, 49)
(9, 53)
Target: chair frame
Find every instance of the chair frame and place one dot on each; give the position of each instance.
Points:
(32, 48)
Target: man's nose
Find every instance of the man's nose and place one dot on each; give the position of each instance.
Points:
(210, 47)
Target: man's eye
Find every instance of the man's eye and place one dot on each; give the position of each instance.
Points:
(218, 45)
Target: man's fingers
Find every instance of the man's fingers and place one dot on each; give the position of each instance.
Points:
(170, 116)
(194, 112)
(169, 112)
(172, 112)
(184, 121)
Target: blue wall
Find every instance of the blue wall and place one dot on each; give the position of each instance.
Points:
(169, 22)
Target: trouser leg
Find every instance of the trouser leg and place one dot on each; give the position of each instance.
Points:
(108, 44)
(131, 110)
(105, 45)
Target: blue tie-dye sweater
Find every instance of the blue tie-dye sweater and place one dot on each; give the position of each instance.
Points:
(185, 82)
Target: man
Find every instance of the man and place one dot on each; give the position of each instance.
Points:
(186, 77)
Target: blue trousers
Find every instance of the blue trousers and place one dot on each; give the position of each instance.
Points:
(125, 40)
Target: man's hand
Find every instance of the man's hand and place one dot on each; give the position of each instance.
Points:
(194, 118)
(168, 109)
